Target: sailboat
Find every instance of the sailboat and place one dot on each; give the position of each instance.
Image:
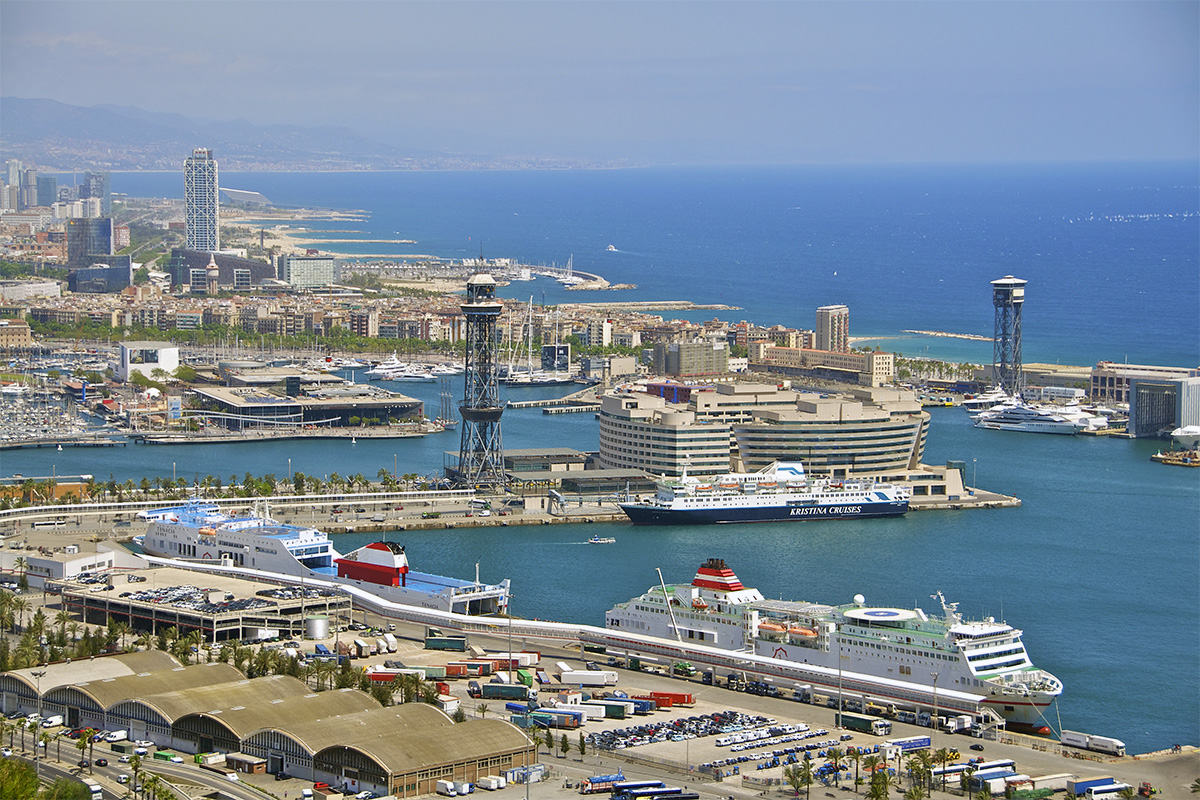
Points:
(445, 416)
(530, 376)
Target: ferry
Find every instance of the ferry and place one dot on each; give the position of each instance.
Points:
(984, 657)
(204, 533)
(778, 492)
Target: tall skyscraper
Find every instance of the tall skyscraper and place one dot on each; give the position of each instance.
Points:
(201, 208)
(96, 184)
(833, 329)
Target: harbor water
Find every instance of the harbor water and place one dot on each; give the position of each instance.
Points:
(1100, 565)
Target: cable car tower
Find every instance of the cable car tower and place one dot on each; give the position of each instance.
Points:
(481, 454)
(1008, 296)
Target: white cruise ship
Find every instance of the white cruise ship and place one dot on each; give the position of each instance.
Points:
(202, 532)
(715, 609)
(1026, 418)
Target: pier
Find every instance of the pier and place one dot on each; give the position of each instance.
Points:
(95, 440)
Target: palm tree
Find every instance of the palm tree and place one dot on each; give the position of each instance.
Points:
(85, 736)
(135, 764)
(482, 710)
(144, 641)
(915, 792)
(123, 630)
(942, 756)
(855, 755)
(61, 619)
(835, 756)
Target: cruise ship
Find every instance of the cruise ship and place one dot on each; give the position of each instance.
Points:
(202, 532)
(1026, 418)
(778, 492)
(983, 657)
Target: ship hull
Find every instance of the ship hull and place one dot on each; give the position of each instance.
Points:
(649, 514)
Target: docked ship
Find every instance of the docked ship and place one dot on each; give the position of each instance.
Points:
(1026, 418)
(778, 492)
(204, 533)
(982, 657)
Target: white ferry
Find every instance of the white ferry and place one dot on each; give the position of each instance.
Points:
(202, 532)
(986, 658)
(778, 492)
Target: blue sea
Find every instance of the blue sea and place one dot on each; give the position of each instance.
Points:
(1100, 566)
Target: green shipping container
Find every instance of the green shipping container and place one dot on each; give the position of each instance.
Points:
(525, 677)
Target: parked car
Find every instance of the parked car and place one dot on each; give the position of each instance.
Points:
(101, 762)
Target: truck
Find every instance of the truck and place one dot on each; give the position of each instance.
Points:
(1081, 785)
(684, 668)
(454, 643)
(588, 677)
(1088, 741)
(94, 790)
(599, 783)
(1055, 783)
(673, 699)
(862, 723)
(392, 644)
(492, 782)
(505, 691)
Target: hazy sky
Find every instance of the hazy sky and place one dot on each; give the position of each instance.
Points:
(646, 81)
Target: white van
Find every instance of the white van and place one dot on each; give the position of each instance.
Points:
(52, 721)
(116, 736)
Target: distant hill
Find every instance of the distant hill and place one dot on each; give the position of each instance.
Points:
(57, 136)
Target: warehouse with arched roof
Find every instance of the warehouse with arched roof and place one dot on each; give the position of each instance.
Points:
(341, 736)
(86, 704)
(226, 728)
(19, 687)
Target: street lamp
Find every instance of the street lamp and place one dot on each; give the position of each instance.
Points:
(974, 471)
(37, 763)
(933, 722)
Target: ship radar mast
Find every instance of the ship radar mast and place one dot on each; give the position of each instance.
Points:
(949, 609)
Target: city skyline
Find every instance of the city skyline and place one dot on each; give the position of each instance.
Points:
(644, 83)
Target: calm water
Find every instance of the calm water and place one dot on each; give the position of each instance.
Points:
(1101, 564)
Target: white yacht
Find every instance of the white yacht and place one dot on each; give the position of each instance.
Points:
(1026, 418)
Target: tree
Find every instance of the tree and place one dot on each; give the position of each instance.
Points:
(835, 756)
(856, 756)
(942, 756)
(482, 710)
(582, 744)
(85, 738)
(19, 779)
(135, 764)
(565, 745)
(459, 715)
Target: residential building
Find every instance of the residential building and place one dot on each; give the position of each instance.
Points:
(15, 334)
(833, 329)
(201, 201)
(309, 272)
(691, 359)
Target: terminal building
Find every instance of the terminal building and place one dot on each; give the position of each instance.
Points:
(341, 737)
(864, 432)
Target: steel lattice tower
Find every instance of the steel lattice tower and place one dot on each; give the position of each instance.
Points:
(481, 454)
(1008, 296)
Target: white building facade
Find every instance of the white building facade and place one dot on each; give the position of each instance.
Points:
(202, 210)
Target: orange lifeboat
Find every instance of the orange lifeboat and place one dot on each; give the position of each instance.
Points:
(801, 632)
(699, 604)
(770, 627)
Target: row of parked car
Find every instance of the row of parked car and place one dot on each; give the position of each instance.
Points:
(676, 730)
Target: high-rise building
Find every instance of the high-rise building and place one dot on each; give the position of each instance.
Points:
(97, 184)
(201, 206)
(47, 190)
(309, 271)
(89, 241)
(833, 329)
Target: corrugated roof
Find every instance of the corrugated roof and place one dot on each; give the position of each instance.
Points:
(416, 736)
(296, 712)
(72, 673)
(110, 691)
(222, 698)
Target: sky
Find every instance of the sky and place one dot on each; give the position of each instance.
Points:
(646, 82)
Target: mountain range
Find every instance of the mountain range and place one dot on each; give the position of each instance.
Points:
(56, 136)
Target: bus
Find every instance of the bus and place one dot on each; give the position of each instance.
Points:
(997, 764)
(649, 793)
(50, 523)
(622, 786)
(94, 790)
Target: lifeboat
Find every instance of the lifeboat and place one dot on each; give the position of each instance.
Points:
(704, 487)
(699, 604)
(770, 627)
(767, 485)
(728, 485)
(208, 532)
(801, 632)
